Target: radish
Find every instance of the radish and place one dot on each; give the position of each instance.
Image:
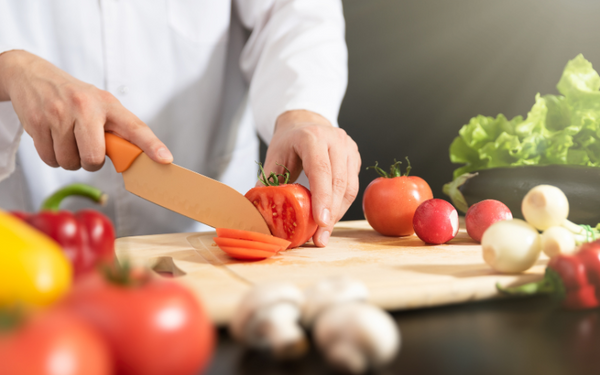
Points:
(481, 215)
(435, 221)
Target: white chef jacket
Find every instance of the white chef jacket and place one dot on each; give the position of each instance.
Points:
(205, 75)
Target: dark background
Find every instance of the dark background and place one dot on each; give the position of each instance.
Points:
(420, 69)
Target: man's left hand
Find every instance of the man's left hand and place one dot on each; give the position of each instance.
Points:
(329, 157)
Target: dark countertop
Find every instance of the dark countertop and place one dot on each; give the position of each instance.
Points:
(504, 337)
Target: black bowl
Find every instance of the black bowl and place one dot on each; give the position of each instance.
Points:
(509, 185)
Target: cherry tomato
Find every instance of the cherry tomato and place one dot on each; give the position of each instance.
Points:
(286, 208)
(390, 201)
(154, 326)
(54, 342)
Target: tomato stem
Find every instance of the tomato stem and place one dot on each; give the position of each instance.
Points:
(10, 318)
(394, 169)
(273, 179)
(408, 168)
(121, 274)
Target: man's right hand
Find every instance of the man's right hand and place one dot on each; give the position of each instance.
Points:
(66, 117)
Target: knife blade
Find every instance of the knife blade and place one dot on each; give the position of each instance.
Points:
(183, 191)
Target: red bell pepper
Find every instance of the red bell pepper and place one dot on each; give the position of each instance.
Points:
(87, 236)
(566, 279)
(590, 254)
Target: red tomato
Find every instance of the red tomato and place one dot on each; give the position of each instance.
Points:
(154, 326)
(389, 203)
(287, 210)
(55, 342)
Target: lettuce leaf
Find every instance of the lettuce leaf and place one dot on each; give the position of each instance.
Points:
(559, 129)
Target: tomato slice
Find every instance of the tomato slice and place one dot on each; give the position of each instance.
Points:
(287, 210)
(246, 254)
(251, 236)
(245, 244)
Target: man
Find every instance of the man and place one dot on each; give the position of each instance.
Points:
(190, 81)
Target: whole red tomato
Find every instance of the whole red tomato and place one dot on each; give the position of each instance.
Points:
(287, 208)
(54, 342)
(390, 201)
(154, 326)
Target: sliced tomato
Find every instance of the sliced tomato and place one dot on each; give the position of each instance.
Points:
(287, 210)
(251, 236)
(246, 254)
(245, 244)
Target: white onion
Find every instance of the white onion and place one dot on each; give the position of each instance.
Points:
(511, 246)
(558, 240)
(545, 206)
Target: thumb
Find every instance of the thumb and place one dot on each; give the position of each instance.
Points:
(129, 127)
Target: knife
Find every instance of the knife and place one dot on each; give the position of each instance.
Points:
(186, 192)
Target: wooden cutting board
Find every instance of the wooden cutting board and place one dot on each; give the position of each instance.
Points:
(401, 273)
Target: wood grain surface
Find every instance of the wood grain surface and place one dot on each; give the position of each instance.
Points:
(401, 273)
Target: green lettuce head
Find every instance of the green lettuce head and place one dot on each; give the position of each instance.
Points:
(559, 129)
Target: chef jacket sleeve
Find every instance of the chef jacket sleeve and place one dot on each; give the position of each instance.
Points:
(295, 58)
(10, 134)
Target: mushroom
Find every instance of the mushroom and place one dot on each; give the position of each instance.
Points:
(328, 292)
(268, 319)
(356, 337)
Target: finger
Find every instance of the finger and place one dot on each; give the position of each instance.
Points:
(45, 147)
(65, 147)
(89, 135)
(126, 125)
(338, 182)
(352, 189)
(317, 166)
(338, 156)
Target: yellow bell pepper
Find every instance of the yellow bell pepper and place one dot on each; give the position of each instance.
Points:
(33, 268)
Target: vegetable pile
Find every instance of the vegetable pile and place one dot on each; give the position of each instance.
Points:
(572, 274)
(121, 320)
(559, 129)
(513, 246)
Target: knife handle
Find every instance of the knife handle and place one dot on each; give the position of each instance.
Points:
(121, 152)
